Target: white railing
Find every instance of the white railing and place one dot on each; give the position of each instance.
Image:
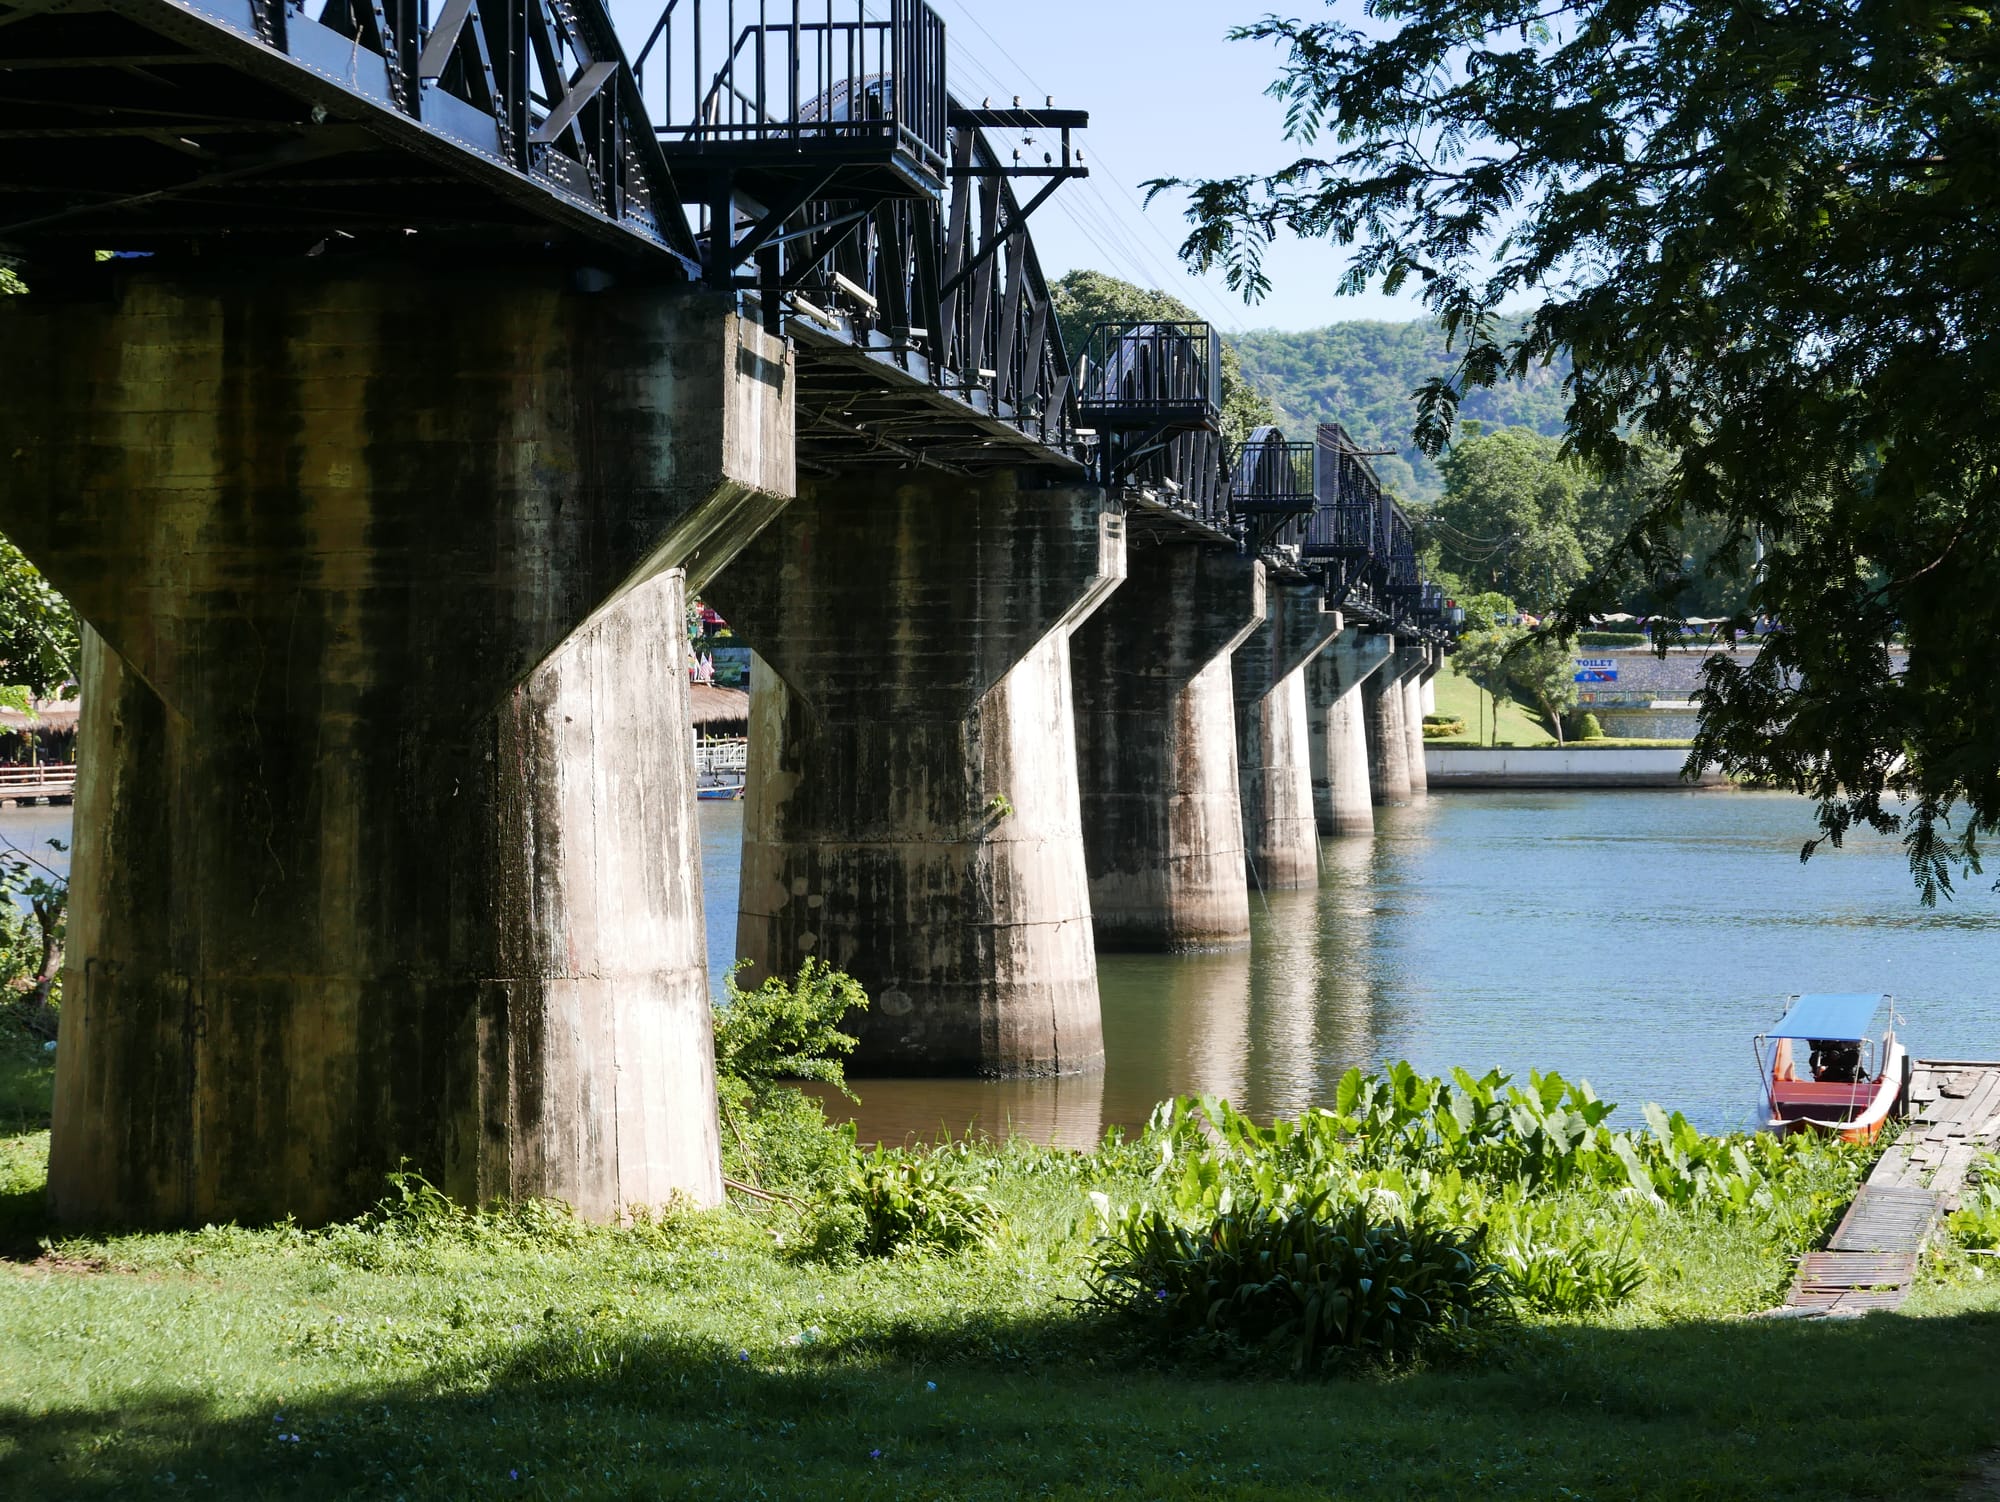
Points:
(714, 758)
(43, 780)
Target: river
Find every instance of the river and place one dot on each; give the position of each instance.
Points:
(1634, 939)
(1638, 940)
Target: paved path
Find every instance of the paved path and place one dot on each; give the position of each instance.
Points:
(1871, 1262)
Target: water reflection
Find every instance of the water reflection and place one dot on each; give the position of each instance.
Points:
(1636, 939)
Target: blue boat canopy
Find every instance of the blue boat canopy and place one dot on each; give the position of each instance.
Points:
(1841, 1017)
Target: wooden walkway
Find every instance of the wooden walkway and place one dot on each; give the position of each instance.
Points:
(50, 781)
(1871, 1262)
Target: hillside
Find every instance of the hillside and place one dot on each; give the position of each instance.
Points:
(1363, 373)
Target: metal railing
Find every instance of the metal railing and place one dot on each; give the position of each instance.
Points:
(1272, 476)
(716, 757)
(1143, 375)
(785, 71)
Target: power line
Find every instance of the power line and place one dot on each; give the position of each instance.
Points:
(1139, 253)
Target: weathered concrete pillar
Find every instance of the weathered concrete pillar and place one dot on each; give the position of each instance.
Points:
(1341, 803)
(912, 806)
(385, 846)
(1384, 704)
(1156, 749)
(1274, 752)
(1416, 665)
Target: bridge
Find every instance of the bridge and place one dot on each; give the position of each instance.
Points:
(391, 372)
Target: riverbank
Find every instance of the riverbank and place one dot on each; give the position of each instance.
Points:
(423, 1356)
(1582, 765)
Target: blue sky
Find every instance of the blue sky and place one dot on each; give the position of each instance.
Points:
(1168, 97)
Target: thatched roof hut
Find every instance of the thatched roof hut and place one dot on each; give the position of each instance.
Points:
(720, 711)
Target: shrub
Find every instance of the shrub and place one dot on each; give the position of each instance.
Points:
(895, 1203)
(784, 1030)
(1437, 726)
(773, 1136)
(1976, 1223)
(1588, 729)
(789, 1146)
(1556, 1267)
(1312, 1277)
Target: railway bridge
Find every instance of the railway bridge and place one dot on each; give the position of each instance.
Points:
(389, 374)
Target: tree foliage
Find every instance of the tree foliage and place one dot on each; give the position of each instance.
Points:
(1514, 661)
(38, 631)
(1364, 375)
(1763, 237)
(1508, 520)
(1085, 298)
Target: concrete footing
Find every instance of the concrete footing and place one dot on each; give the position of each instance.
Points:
(1341, 802)
(1156, 747)
(1274, 753)
(385, 851)
(912, 812)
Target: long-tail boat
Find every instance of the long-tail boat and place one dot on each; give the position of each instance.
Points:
(1825, 1068)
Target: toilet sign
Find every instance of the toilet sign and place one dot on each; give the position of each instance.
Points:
(1597, 670)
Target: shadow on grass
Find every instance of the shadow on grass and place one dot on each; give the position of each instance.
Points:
(1887, 1406)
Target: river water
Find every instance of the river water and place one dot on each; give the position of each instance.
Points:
(1638, 940)
(1634, 939)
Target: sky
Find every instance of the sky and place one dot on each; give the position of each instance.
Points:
(1168, 97)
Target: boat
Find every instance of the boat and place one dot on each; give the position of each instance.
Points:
(1825, 1069)
(720, 791)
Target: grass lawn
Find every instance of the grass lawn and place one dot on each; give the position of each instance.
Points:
(1462, 699)
(529, 1356)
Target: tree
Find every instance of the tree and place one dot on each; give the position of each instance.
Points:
(1763, 237)
(1507, 521)
(38, 632)
(1507, 661)
(1085, 298)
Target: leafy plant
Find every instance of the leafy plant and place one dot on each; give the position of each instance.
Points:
(785, 1030)
(31, 941)
(1555, 1266)
(897, 1202)
(1976, 1222)
(1313, 1276)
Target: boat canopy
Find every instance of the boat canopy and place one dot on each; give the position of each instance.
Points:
(1843, 1017)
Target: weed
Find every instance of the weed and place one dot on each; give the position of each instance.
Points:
(897, 1202)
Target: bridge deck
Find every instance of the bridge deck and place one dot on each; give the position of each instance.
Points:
(1871, 1261)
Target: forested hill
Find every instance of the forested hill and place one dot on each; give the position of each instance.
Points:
(1362, 374)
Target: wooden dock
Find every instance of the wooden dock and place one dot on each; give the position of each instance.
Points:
(1871, 1261)
(50, 783)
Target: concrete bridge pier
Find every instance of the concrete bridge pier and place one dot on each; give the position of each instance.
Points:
(1385, 719)
(1156, 746)
(385, 845)
(1273, 739)
(1334, 706)
(1415, 662)
(912, 812)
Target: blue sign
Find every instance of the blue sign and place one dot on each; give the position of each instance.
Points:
(1596, 670)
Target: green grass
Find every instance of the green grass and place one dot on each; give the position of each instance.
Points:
(1462, 699)
(698, 1358)
(27, 1079)
(524, 1354)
